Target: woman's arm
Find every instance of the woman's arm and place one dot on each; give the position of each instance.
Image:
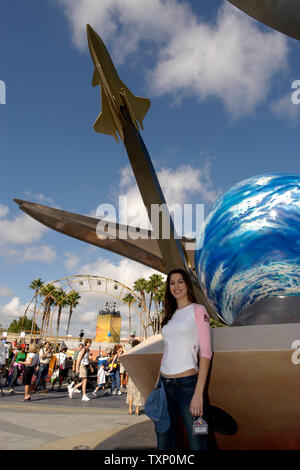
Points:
(27, 361)
(80, 356)
(112, 364)
(205, 354)
(196, 406)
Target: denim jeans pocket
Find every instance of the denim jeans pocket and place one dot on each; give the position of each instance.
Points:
(188, 382)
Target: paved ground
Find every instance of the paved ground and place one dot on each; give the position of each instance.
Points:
(54, 421)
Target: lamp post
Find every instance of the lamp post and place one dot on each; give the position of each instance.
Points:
(81, 335)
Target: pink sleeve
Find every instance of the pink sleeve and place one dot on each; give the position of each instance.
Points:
(203, 330)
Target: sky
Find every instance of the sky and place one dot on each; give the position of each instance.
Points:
(222, 110)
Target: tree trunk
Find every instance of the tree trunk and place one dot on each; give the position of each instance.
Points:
(69, 320)
(58, 319)
(129, 321)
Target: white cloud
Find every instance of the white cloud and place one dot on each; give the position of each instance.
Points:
(23, 230)
(39, 197)
(232, 59)
(44, 253)
(20, 230)
(5, 291)
(125, 271)
(284, 108)
(71, 261)
(4, 210)
(178, 186)
(12, 310)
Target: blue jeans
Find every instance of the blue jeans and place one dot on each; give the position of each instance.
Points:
(179, 393)
(41, 377)
(115, 381)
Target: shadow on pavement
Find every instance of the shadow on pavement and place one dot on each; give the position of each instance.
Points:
(139, 436)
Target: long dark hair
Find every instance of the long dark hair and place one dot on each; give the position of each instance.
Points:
(170, 302)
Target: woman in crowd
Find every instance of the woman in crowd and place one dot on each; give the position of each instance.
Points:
(186, 359)
(134, 397)
(114, 370)
(123, 373)
(82, 368)
(46, 355)
(60, 364)
(31, 362)
(17, 366)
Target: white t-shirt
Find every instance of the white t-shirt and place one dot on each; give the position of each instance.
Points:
(101, 376)
(47, 359)
(85, 360)
(185, 333)
(34, 359)
(62, 360)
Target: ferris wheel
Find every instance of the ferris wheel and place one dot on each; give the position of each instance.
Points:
(46, 304)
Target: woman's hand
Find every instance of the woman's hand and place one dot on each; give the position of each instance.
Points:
(196, 406)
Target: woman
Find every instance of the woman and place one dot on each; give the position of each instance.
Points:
(30, 363)
(186, 332)
(60, 364)
(134, 397)
(123, 374)
(46, 355)
(82, 367)
(114, 370)
(17, 366)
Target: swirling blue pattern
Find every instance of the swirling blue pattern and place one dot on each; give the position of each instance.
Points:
(249, 246)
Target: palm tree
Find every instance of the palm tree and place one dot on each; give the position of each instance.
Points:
(72, 301)
(159, 302)
(36, 285)
(140, 286)
(48, 291)
(61, 300)
(129, 299)
(154, 284)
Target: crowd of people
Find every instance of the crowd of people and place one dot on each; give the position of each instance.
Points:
(41, 368)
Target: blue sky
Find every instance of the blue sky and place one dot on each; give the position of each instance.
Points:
(221, 111)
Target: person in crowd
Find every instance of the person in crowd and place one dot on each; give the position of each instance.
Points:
(114, 370)
(30, 363)
(101, 379)
(10, 365)
(2, 362)
(46, 354)
(9, 357)
(123, 373)
(186, 359)
(134, 397)
(82, 368)
(60, 364)
(75, 379)
(17, 366)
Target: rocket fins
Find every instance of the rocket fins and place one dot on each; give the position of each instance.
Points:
(105, 122)
(139, 106)
(96, 79)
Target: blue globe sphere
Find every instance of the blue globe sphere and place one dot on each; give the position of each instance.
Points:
(249, 246)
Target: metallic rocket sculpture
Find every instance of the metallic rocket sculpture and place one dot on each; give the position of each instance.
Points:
(117, 101)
